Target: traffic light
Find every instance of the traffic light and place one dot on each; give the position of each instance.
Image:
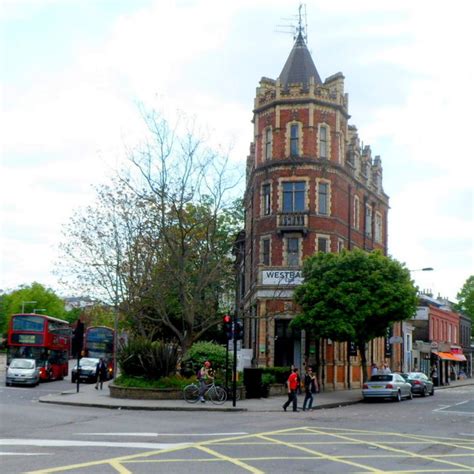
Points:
(238, 331)
(227, 326)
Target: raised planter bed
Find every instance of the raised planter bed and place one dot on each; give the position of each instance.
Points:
(150, 393)
(145, 393)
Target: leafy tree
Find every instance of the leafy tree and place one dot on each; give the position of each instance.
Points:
(32, 298)
(158, 241)
(466, 300)
(354, 296)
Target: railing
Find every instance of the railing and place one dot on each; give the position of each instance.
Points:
(289, 221)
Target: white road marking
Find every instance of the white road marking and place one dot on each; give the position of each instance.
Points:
(24, 454)
(65, 443)
(238, 433)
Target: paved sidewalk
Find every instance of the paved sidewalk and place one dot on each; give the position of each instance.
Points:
(89, 397)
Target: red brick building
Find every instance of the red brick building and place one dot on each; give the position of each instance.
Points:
(310, 186)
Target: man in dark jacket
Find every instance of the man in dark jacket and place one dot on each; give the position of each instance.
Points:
(310, 387)
(101, 373)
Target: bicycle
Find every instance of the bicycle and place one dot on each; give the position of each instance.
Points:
(214, 393)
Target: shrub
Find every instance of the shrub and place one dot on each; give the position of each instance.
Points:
(279, 373)
(141, 357)
(201, 351)
(268, 379)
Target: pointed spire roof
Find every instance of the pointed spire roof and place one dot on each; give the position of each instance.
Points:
(299, 66)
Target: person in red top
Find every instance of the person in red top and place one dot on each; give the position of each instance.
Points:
(292, 383)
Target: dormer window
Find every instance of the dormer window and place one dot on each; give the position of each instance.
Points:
(294, 139)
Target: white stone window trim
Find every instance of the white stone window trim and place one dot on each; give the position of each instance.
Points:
(267, 130)
(369, 214)
(262, 239)
(262, 198)
(288, 138)
(356, 213)
(328, 141)
(378, 224)
(285, 249)
(289, 179)
(340, 245)
(326, 237)
(329, 196)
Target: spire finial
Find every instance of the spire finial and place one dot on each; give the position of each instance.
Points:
(302, 30)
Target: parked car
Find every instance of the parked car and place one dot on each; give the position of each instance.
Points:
(420, 383)
(22, 371)
(88, 366)
(391, 386)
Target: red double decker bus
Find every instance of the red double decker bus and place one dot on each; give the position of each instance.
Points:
(99, 342)
(43, 338)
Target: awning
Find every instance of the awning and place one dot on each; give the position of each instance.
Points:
(449, 356)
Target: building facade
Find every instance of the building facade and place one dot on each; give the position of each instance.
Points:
(311, 186)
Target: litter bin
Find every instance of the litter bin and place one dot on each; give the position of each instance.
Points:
(253, 382)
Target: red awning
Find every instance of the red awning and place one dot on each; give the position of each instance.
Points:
(446, 356)
(450, 356)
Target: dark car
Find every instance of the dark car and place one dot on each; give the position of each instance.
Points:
(420, 383)
(88, 367)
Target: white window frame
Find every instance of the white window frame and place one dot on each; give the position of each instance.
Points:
(289, 139)
(286, 250)
(268, 144)
(324, 145)
(356, 215)
(325, 237)
(378, 227)
(368, 220)
(266, 238)
(266, 204)
(320, 181)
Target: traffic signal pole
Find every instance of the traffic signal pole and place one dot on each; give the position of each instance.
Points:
(234, 368)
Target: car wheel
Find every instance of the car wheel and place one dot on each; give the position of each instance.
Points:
(73, 379)
(398, 397)
(425, 391)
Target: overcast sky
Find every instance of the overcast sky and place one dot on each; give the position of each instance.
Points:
(73, 72)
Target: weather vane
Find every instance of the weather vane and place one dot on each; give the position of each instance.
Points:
(302, 24)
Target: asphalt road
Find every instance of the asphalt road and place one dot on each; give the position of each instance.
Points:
(433, 434)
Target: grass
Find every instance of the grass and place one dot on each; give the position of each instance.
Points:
(175, 381)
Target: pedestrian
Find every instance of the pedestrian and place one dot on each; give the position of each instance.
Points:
(386, 370)
(292, 383)
(374, 370)
(100, 373)
(205, 377)
(310, 387)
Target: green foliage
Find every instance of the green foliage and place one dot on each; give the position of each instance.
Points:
(30, 298)
(268, 379)
(174, 381)
(354, 296)
(466, 300)
(280, 374)
(201, 351)
(141, 357)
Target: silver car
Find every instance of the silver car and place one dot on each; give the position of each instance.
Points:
(392, 386)
(22, 371)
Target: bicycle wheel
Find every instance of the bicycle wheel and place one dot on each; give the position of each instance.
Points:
(191, 393)
(217, 395)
